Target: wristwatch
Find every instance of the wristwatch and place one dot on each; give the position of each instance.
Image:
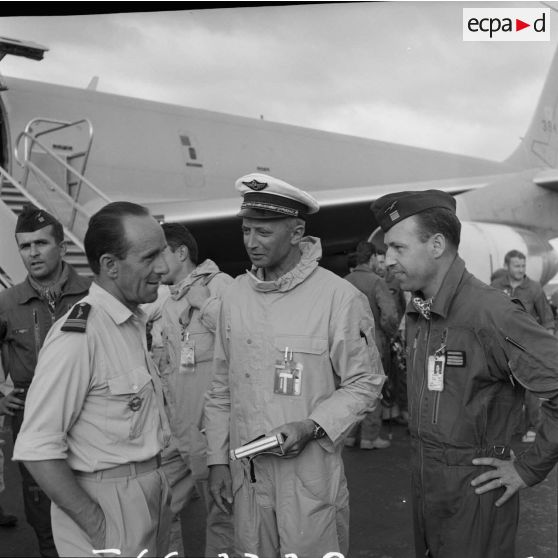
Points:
(318, 431)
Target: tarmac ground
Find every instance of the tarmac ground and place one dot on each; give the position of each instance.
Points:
(380, 508)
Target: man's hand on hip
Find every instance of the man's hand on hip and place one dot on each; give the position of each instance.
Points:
(504, 475)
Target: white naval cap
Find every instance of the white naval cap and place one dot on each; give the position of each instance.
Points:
(265, 197)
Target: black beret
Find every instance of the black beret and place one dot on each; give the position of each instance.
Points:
(32, 219)
(393, 208)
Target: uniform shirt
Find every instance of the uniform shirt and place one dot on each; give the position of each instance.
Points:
(95, 400)
(25, 320)
(531, 295)
(493, 348)
(328, 326)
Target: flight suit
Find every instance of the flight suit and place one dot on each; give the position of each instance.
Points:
(493, 351)
(185, 387)
(385, 322)
(25, 320)
(533, 298)
(323, 328)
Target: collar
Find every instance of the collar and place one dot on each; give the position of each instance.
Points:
(446, 293)
(202, 271)
(76, 284)
(118, 312)
(363, 267)
(311, 250)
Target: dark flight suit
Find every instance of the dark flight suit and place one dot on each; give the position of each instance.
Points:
(493, 350)
(25, 319)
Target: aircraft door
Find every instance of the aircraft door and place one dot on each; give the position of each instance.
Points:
(69, 142)
(193, 163)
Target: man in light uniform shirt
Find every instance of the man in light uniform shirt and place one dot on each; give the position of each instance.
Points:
(95, 424)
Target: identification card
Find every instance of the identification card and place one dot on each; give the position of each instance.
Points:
(436, 366)
(187, 357)
(288, 376)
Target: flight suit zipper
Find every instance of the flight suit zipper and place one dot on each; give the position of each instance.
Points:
(437, 395)
(421, 394)
(414, 358)
(36, 332)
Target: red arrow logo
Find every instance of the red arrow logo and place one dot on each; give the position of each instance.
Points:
(519, 25)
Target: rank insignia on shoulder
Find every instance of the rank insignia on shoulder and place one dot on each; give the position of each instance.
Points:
(77, 319)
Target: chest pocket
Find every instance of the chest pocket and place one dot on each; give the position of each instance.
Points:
(130, 405)
(308, 362)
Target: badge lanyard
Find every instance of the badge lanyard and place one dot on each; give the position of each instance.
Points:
(437, 365)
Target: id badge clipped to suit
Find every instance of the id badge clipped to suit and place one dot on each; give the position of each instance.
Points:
(187, 356)
(437, 366)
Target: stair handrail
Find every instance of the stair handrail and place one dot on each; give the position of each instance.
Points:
(60, 125)
(59, 160)
(6, 175)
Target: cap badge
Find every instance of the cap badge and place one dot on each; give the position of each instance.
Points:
(393, 213)
(40, 218)
(255, 185)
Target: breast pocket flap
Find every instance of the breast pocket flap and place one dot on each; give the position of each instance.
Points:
(301, 344)
(130, 382)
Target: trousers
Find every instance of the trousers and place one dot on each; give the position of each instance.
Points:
(137, 513)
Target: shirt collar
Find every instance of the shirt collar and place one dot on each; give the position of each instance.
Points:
(112, 306)
(76, 284)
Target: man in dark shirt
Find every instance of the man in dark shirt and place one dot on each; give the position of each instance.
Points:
(27, 311)
(515, 283)
(385, 326)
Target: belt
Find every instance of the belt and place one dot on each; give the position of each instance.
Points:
(464, 456)
(121, 471)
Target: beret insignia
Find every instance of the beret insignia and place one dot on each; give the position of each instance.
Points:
(255, 185)
(77, 319)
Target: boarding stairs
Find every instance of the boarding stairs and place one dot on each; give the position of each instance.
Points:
(53, 156)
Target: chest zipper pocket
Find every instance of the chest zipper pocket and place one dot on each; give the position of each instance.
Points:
(436, 408)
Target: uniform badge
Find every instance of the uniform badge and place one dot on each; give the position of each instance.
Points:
(456, 358)
(255, 185)
(392, 211)
(135, 403)
(77, 319)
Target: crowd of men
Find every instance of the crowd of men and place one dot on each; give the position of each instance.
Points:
(129, 396)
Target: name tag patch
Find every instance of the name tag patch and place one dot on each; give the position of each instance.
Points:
(456, 358)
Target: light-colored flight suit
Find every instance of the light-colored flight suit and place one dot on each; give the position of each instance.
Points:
(298, 505)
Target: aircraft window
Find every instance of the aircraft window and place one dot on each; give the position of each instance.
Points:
(185, 140)
(192, 152)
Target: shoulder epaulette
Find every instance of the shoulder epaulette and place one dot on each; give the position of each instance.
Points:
(77, 319)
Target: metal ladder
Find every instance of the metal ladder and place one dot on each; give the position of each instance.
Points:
(72, 202)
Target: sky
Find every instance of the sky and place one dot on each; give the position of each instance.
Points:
(393, 71)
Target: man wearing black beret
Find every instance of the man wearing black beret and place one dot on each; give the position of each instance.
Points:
(471, 353)
(27, 312)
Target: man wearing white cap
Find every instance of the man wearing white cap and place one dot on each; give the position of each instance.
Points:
(295, 355)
